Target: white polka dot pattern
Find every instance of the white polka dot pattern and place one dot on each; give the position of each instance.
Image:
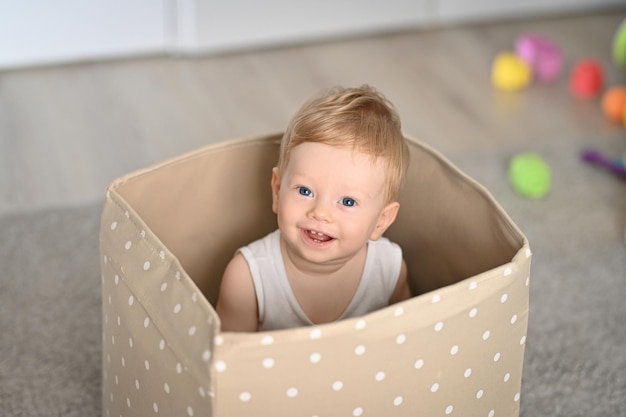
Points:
(155, 358)
(417, 358)
(455, 351)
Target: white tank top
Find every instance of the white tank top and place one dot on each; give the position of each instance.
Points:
(278, 307)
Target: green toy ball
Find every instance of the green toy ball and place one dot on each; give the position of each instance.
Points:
(530, 175)
(619, 45)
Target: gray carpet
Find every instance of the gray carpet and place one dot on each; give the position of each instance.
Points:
(50, 325)
(575, 363)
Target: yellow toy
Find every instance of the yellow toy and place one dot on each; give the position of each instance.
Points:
(510, 73)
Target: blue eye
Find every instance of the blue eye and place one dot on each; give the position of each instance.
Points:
(305, 191)
(348, 202)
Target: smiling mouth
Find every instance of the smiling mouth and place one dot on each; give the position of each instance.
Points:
(318, 237)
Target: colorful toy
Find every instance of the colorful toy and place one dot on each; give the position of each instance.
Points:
(530, 175)
(587, 79)
(614, 165)
(614, 104)
(510, 73)
(619, 45)
(544, 57)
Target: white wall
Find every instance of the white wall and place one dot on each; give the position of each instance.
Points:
(41, 32)
(448, 11)
(36, 32)
(235, 24)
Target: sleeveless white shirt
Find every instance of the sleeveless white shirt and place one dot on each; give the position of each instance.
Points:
(278, 307)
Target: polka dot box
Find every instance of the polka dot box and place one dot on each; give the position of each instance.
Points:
(455, 349)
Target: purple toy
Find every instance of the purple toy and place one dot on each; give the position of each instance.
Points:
(544, 57)
(616, 166)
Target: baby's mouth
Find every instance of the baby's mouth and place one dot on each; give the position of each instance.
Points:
(318, 237)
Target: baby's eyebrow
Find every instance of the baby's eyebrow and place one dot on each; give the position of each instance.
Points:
(299, 179)
(298, 175)
(359, 195)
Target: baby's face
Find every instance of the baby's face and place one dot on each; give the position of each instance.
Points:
(329, 202)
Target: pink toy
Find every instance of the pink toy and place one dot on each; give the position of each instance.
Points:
(587, 79)
(544, 57)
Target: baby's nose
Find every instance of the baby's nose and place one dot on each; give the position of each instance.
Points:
(320, 212)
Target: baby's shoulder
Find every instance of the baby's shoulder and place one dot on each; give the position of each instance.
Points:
(237, 267)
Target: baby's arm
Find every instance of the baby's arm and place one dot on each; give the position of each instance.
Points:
(236, 304)
(402, 291)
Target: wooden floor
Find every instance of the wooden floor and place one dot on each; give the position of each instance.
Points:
(67, 131)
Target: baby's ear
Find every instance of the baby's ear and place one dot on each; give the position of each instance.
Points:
(385, 219)
(275, 189)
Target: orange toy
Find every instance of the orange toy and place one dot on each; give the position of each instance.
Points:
(614, 104)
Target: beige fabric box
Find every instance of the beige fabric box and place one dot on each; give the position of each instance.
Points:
(167, 232)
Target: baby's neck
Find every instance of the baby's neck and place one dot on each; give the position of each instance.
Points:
(324, 291)
(307, 270)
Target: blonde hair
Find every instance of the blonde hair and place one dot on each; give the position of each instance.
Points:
(360, 118)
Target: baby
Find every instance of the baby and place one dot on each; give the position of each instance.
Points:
(342, 162)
